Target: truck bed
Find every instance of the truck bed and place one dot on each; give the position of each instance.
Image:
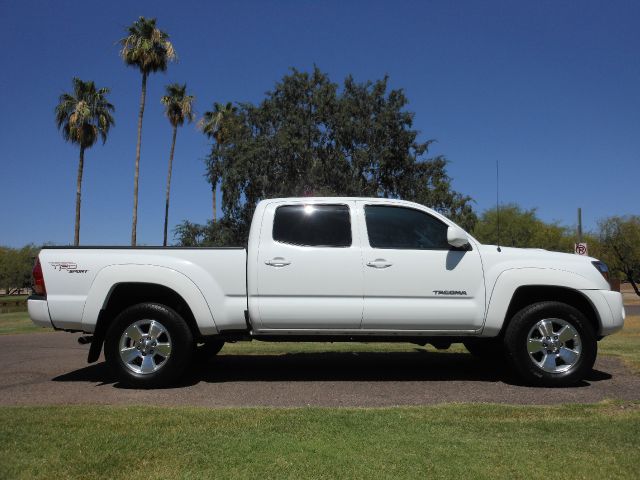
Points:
(77, 278)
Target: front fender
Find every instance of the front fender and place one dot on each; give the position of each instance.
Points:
(109, 277)
(510, 280)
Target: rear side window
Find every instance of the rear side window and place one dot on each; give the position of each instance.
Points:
(313, 225)
(404, 228)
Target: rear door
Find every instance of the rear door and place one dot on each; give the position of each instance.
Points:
(309, 267)
(413, 279)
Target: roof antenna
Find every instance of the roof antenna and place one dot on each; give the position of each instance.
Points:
(498, 202)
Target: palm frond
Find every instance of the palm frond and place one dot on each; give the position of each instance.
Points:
(85, 114)
(178, 105)
(214, 123)
(147, 47)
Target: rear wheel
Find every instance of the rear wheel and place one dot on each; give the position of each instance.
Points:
(551, 344)
(148, 345)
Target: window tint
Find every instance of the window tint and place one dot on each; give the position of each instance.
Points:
(404, 228)
(313, 225)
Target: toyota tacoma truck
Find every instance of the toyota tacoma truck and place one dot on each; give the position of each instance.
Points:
(331, 269)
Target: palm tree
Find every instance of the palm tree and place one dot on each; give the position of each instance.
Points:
(178, 107)
(82, 116)
(147, 48)
(215, 124)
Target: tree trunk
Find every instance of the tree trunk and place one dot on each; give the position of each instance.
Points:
(136, 175)
(76, 236)
(166, 205)
(633, 283)
(213, 192)
(626, 272)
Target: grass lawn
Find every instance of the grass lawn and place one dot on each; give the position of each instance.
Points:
(18, 322)
(448, 441)
(624, 344)
(12, 298)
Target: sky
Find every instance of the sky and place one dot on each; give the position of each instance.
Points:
(548, 89)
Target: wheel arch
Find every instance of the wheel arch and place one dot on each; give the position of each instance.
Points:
(516, 288)
(529, 294)
(125, 295)
(109, 295)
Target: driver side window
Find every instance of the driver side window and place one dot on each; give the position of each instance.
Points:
(399, 228)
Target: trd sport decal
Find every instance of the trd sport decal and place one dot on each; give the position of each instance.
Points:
(68, 266)
(450, 292)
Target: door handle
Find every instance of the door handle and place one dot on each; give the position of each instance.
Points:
(277, 262)
(379, 263)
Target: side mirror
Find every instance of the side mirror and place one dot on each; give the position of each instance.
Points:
(457, 237)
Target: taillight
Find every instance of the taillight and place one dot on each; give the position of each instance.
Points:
(38, 279)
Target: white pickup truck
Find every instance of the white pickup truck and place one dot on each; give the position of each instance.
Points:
(331, 269)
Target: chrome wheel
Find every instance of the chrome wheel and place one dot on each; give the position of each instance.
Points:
(145, 346)
(554, 345)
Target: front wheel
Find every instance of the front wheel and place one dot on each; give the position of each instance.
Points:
(551, 344)
(148, 345)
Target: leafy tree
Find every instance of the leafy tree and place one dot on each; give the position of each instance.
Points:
(148, 49)
(308, 137)
(4, 267)
(15, 267)
(522, 228)
(620, 243)
(178, 107)
(221, 232)
(82, 116)
(216, 124)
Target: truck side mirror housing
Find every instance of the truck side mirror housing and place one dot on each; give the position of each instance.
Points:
(457, 237)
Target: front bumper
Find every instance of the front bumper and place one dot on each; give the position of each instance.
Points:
(610, 309)
(39, 311)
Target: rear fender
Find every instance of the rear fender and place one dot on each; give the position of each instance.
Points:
(109, 277)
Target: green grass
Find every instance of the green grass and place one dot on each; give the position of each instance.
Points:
(18, 322)
(12, 298)
(12, 303)
(452, 441)
(624, 344)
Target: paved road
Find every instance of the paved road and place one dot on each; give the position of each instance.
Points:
(50, 368)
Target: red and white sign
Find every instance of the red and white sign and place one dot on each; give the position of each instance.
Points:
(581, 249)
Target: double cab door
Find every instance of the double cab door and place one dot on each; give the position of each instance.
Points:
(309, 267)
(363, 265)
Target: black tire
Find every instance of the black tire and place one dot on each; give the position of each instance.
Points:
(516, 341)
(485, 348)
(180, 339)
(209, 349)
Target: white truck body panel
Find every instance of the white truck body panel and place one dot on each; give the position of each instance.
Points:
(211, 281)
(293, 289)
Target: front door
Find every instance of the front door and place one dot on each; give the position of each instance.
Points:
(309, 272)
(413, 279)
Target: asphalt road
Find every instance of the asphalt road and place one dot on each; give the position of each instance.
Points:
(51, 368)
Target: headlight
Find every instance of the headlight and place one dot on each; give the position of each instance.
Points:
(603, 269)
